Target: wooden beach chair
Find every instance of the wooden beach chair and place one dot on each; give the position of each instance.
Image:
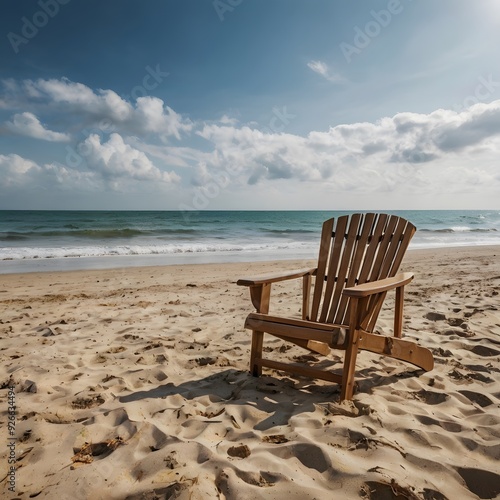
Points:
(358, 261)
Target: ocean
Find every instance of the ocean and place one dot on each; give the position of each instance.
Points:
(63, 240)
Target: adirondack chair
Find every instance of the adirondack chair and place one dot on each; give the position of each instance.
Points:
(359, 258)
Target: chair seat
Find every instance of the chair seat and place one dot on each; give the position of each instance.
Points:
(330, 334)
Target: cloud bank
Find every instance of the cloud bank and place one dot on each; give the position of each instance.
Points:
(148, 142)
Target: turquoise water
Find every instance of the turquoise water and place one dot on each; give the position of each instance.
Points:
(222, 236)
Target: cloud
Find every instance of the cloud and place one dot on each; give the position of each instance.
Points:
(79, 105)
(470, 128)
(321, 68)
(421, 150)
(116, 160)
(226, 120)
(14, 167)
(151, 115)
(254, 155)
(420, 154)
(318, 67)
(201, 175)
(28, 124)
(77, 97)
(173, 156)
(112, 164)
(22, 173)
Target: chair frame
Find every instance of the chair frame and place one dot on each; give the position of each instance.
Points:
(368, 246)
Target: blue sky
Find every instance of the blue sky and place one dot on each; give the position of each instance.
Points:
(249, 104)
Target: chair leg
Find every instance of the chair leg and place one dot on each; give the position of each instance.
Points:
(256, 353)
(351, 353)
(398, 313)
(349, 367)
(260, 295)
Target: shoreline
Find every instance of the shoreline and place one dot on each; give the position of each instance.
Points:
(149, 367)
(52, 265)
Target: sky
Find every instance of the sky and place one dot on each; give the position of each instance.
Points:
(249, 104)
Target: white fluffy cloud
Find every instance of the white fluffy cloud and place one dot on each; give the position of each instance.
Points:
(14, 168)
(21, 173)
(29, 125)
(79, 98)
(149, 115)
(111, 165)
(115, 159)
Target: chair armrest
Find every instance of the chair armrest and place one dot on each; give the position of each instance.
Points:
(273, 278)
(379, 286)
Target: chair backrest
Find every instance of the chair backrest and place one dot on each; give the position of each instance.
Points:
(356, 249)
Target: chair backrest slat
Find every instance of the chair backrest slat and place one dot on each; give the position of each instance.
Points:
(334, 264)
(383, 245)
(372, 246)
(345, 264)
(356, 249)
(392, 247)
(324, 252)
(359, 254)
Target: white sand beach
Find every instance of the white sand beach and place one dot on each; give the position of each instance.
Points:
(133, 383)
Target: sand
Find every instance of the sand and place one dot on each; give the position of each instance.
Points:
(133, 383)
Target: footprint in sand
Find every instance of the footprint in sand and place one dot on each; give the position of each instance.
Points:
(430, 397)
(447, 426)
(484, 351)
(483, 483)
(477, 398)
(379, 490)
